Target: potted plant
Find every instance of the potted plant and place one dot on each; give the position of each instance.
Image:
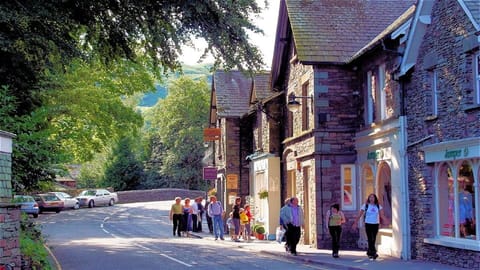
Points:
(260, 232)
(263, 194)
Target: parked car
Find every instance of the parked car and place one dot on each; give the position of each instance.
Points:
(28, 205)
(96, 197)
(68, 201)
(48, 202)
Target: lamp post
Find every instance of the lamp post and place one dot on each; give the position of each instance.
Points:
(293, 105)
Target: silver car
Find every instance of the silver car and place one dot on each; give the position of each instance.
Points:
(69, 202)
(28, 205)
(96, 197)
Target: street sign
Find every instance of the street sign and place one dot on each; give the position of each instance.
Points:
(211, 134)
(210, 173)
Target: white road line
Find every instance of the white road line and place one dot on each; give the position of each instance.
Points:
(146, 248)
(175, 260)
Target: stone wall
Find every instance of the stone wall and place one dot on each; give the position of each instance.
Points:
(157, 195)
(441, 50)
(9, 240)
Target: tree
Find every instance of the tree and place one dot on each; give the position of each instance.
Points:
(41, 40)
(125, 171)
(179, 121)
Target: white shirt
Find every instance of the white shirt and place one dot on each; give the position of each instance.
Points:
(372, 215)
(195, 208)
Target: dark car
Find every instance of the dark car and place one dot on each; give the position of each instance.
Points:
(28, 205)
(48, 203)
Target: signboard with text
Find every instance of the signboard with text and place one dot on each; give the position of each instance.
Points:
(210, 173)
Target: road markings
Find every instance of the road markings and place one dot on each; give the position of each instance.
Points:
(175, 260)
(143, 247)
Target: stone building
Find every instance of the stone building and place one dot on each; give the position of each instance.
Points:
(332, 59)
(441, 74)
(229, 103)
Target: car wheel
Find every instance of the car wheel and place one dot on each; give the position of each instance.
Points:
(35, 215)
(76, 206)
(58, 210)
(91, 204)
(112, 202)
(40, 211)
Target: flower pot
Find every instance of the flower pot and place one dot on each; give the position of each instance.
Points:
(260, 236)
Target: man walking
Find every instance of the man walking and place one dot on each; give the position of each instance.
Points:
(285, 214)
(215, 210)
(294, 221)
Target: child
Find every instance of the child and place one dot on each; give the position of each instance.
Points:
(243, 222)
(231, 226)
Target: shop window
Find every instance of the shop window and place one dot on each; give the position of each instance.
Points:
(456, 201)
(348, 187)
(368, 182)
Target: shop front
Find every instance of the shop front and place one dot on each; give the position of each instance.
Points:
(456, 172)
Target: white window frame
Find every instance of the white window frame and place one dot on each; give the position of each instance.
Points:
(381, 89)
(353, 186)
(477, 78)
(370, 101)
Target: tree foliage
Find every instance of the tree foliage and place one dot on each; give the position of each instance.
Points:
(66, 63)
(124, 171)
(179, 120)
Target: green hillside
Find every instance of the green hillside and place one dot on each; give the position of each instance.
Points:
(197, 72)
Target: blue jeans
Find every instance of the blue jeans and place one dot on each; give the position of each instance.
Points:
(218, 225)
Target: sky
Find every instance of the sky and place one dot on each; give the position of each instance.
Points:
(267, 22)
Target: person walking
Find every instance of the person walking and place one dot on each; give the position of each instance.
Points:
(248, 228)
(372, 212)
(284, 215)
(236, 218)
(195, 215)
(215, 210)
(294, 221)
(200, 214)
(187, 217)
(176, 215)
(208, 217)
(333, 223)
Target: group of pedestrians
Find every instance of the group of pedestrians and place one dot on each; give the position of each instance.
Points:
(188, 217)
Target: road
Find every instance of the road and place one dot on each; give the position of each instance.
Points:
(138, 236)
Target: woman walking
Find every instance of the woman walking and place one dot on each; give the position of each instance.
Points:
(333, 223)
(373, 213)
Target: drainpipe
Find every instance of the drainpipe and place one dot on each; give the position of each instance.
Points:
(405, 214)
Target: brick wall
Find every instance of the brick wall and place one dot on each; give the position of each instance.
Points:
(443, 39)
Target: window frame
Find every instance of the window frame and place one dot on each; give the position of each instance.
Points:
(353, 186)
(476, 74)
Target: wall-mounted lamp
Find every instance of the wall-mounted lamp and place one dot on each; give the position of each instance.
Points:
(294, 105)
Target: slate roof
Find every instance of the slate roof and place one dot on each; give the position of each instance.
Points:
(332, 31)
(261, 87)
(392, 27)
(232, 93)
(474, 8)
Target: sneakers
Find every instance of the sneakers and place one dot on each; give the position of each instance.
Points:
(335, 255)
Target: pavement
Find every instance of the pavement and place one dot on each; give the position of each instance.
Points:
(349, 259)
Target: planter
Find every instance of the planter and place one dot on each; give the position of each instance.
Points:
(260, 236)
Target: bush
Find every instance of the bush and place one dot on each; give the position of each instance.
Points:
(260, 229)
(34, 253)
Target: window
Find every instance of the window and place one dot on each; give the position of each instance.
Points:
(371, 97)
(456, 200)
(432, 97)
(348, 187)
(305, 108)
(477, 78)
(381, 88)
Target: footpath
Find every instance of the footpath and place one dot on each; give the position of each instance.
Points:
(349, 260)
